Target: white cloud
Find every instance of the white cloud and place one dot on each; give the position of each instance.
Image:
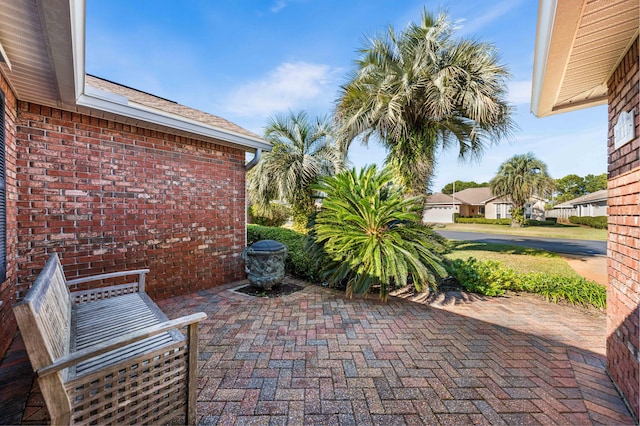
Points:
(520, 92)
(472, 25)
(278, 5)
(290, 86)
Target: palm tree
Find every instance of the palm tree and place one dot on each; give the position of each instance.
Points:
(519, 179)
(420, 90)
(302, 151)
(368, 234)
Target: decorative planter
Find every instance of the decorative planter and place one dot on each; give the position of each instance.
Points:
(264, 263)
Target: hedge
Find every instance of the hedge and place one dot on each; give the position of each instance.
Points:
(485, 221)
(277, 215)
(598, 222)
(491, 278)
(298, 262)
(546, 222)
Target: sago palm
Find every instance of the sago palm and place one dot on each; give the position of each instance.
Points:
(368, 234)
(420, 90)
(302, 151)
(519, 179)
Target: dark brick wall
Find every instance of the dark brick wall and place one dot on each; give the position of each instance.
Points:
(623, 292)
(7, 288)
(108, 197)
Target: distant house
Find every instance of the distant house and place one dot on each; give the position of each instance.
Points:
(475, 202)
(594, 204)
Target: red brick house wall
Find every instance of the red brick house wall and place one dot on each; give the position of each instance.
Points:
(623, 293)
(108, 196)
(7, 288)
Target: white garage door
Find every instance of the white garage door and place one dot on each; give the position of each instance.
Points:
(438, 215)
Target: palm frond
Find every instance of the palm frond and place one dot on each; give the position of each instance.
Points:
(425, 87)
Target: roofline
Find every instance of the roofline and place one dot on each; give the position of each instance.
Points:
(120, 105)
(542, 80)
(546, 18)
(559, 21)
(578, 200)
(93, 98)
(448, 203)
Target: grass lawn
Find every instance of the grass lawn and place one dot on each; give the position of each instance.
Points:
(573, 232)
(520, 259)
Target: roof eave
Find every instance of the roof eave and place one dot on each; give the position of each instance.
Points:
(557, 24)
(565, 31)
(544, 31)
(150, 115)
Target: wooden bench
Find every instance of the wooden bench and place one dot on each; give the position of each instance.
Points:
(108, 355)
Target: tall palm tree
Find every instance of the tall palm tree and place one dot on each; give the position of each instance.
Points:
(420, 90)
(302, 151)
(519, 179)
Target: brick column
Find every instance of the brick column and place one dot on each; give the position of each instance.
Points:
(623, 291)
(8, 287)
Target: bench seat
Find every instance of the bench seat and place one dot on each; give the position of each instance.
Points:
(108, 355)
(95, 322)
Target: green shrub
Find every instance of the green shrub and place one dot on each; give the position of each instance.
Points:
(598, 222)
(578, 291)
(298, 262)
(478, 277)
(277, 215)
(368, 235)
(546, 222)
(493, 279)
(485, 221)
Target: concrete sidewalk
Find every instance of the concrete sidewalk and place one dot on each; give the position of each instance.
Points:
(591, 267)
(315, 357)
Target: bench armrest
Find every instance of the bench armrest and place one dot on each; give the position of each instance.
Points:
(140, 272)
(109, 345)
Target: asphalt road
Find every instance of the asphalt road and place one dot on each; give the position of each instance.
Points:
(556, 245)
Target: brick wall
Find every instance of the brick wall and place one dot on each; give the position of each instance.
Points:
(7, 288)
(623, 292)
(108, 196)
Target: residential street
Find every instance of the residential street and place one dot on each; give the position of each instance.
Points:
(556, 245)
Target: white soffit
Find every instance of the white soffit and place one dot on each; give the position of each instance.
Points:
(25, 37)
(579, 43)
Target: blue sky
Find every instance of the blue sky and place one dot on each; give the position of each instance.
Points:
(249, 60)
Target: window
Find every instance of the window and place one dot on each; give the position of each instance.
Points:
(3, 194)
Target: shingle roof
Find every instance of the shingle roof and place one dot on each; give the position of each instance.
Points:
(440, 198)
(166, 105)
(584, 199)
(475, 196)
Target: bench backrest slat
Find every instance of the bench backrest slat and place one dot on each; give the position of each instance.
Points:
(44, 315)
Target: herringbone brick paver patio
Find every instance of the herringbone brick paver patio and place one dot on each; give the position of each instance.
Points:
(315, 357)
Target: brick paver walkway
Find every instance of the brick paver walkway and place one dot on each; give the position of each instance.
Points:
(315, 357)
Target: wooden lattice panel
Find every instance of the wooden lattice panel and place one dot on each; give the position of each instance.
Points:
(86, 296)
(146, 390)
